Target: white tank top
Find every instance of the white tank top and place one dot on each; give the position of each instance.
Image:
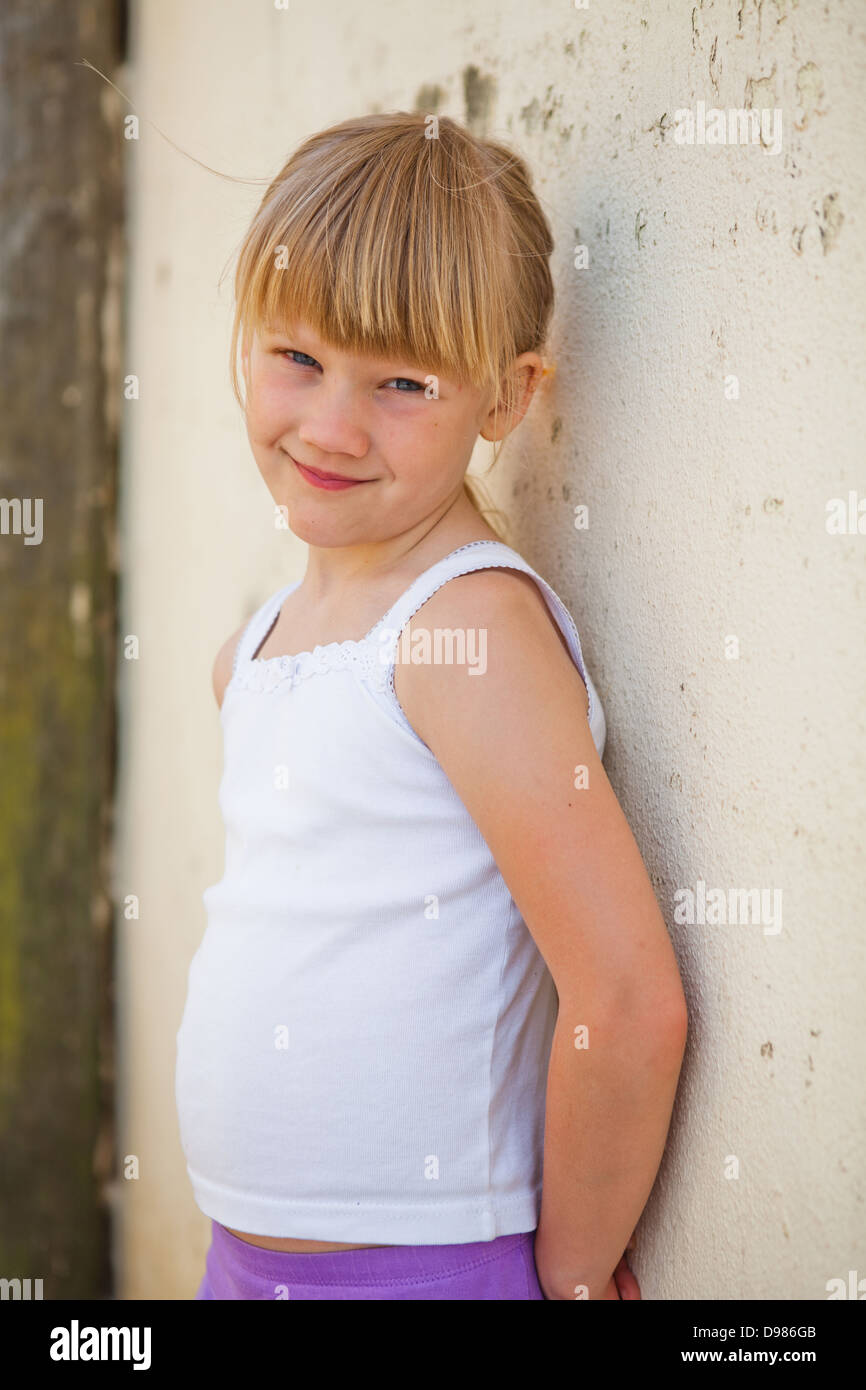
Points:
(363, 1052)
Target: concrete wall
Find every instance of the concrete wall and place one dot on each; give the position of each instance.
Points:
(707, 404)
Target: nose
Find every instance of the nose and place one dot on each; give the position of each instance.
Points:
(331, 424)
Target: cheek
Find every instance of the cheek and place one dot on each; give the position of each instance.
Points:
(427, 475)
(267, 409)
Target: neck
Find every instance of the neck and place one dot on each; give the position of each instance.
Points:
(333, 569)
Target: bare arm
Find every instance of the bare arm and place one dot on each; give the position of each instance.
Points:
(509, 741)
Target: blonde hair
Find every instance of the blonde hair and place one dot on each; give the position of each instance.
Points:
(390, 242)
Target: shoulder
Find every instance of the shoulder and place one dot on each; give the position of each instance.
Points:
(222, 667)
(507, 625)
(504, 596)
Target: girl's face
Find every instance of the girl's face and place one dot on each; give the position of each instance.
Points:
(405, 436)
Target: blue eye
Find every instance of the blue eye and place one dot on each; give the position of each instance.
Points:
(416, 385)
(289, 353)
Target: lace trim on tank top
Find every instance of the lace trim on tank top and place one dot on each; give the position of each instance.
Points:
(366, 656)
(277, 672)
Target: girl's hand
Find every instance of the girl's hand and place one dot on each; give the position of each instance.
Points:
(624, 1282)
(622, 1285)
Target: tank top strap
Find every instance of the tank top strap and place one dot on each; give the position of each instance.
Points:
(475, 555)
(259, 625)
(478, 555)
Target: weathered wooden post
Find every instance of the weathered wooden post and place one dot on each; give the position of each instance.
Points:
(60, 254)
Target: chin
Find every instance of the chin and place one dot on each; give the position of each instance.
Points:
(317, 530)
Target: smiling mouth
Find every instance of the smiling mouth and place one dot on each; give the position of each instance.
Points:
(335, 477)
(321, 479)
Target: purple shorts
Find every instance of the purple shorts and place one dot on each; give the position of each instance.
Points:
(484, 1269)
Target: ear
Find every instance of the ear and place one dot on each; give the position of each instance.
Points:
(528, 368)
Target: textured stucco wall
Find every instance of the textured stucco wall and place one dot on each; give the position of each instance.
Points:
(706, 523)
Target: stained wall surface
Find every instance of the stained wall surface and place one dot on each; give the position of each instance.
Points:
(706, 408)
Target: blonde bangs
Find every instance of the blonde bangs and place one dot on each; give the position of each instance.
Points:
(390, 243)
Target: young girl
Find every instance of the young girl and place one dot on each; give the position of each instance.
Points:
(434, 1027)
